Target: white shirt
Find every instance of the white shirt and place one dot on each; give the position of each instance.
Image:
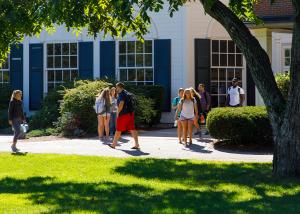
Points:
(188, 110)
(234, 94)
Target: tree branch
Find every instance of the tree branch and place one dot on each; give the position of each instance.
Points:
(257, 59)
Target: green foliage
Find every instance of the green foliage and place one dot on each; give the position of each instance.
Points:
(42, 132)
(244, 10)
(77, 112)
(145, 113)
(5, 93)
(49, 113)
(283, 82)
(244, 125)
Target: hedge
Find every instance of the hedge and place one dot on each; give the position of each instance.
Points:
(5, 93)
(244, 125)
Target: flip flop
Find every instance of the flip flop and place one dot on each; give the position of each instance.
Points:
(111, 146)
(137, 148)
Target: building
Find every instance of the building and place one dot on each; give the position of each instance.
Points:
(182, 51)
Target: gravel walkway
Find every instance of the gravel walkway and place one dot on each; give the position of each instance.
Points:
(156, 144)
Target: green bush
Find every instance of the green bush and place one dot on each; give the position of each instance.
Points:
(4, 119)
(49, 113)
(42, 132)
(244, 125)
(5, 93)
(283, 82)
(145, 113)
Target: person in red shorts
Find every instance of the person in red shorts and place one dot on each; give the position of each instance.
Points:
(125, 117)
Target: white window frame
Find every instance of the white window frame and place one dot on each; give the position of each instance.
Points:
(284, 66)
(5, 70)
(62, 69)
(243, 69)
(135, 67)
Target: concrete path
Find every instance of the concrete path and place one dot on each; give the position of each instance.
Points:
(156, 144)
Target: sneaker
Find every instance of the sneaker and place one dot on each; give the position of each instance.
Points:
(15, 149)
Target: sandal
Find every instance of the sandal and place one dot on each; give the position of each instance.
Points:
(135, 147)
(180, 142)
(111, 146)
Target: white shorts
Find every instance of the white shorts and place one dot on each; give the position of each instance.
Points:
(104, 114)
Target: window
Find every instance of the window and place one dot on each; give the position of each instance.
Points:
(287, 53)
(4, 72)
(136, 62)
(226, 63)
(62, 63)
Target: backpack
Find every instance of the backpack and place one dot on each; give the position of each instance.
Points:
(130, 103)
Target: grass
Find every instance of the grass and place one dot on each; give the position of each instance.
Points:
(78, 184)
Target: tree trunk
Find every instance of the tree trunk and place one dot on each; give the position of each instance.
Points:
(284, 115)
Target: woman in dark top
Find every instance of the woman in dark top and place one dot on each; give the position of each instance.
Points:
(16, 116)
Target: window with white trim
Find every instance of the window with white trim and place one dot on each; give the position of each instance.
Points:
(287, 58)
(226, 64)
(62, 63)
(4, 72)
(136, 62)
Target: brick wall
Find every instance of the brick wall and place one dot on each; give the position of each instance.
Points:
(279, 8)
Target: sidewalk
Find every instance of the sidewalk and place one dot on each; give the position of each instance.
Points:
(156, 144)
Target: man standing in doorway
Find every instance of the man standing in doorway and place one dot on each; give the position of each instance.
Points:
(125, 116)
(235, 95)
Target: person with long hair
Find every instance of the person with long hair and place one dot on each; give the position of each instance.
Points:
(16, 116)
(114, 109)
(196, 119)
(188, 109)
(103, 110)
(175, 103)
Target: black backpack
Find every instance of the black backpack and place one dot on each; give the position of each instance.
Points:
(130, 104)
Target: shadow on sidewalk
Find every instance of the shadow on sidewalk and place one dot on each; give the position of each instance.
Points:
(135, 153)
(198, 148)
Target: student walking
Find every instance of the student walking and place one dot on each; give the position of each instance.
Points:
(16, 116)
(103, 109)
(235, 95)
(205, 102)
(188, 109)
(196, 118)
(175, 103)
(114, 109)
(125, 116)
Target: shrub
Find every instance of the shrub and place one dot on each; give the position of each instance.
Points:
(49, 113)
(283, 82)
(145, 113)
(5, 93)
(3, 119)
(240, 125)
(41, 132)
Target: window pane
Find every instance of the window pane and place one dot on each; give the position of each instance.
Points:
(222, 74)
(214, 101)
(50, 49)
(122, 47)
(239, 60)
(57, 62)
(237, 50)
(139, 60)
(148, 46)
(223, 60)
(223, 46)
(50, 86)
(5, 76)
(148, 59)
(123, 75)
(50, 62)
(287, 61)
(287, 52)
(131, 75)
(140, 75)
(140, 83)
(66, 76)
(50, 75)
(73, 48)
(149, 74)
(231, 59)
(215, 46)
(58, 75)
(215, 60)
(122, 60)
(238, 73)
(130, 60)
(214, 74)
(230, 74)
(73, 61)
(57, 49)
(139, 47)
(130, 47)
(4, 65)
(231, 48)
(214, 88)
(65, 48)
(66, 63)
(222, 87)
(74, 74)
(222, 101)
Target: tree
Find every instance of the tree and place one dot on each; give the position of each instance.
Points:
(118, 17)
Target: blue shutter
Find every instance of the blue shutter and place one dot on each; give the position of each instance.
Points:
(162, 69)
(86, 60)
(107, 59)
(16, 67)
(36, 77)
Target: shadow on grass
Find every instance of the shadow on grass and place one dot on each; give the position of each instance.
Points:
(113, 197)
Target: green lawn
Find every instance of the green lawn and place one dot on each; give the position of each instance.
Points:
(78, 184)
